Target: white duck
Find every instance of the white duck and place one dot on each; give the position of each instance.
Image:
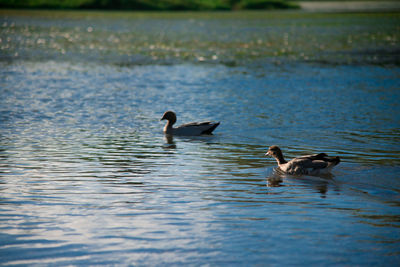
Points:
(310, 164)
(189, 129)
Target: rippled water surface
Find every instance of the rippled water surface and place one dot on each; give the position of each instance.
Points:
(87, 176)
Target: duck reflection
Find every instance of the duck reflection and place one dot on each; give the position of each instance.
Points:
(274, 181)
(319, 183)
(170, 143)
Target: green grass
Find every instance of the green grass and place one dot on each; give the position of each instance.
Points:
(199, 5)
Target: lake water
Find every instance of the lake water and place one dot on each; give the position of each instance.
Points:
(88, 178)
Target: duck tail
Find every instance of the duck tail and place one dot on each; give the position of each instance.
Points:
(211, 129)
(335, 160)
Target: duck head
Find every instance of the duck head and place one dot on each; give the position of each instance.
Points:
(169, 116)
(275, 151)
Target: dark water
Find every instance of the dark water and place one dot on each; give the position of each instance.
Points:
(87, 177)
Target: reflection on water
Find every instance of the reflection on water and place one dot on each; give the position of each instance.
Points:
(88, 178)
(319, 183)
(169, 138)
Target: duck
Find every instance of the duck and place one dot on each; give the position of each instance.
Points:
(315, 164)
(188, 129)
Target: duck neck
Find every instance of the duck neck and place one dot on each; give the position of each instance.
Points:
(279, 158)
(168, 126)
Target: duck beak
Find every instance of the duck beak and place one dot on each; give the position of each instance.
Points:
(162, 119)
(267, 154)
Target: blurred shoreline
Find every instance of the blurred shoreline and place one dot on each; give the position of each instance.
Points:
(308, 6)
(349, 6)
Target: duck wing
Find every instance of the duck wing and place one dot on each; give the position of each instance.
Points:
(307, 163)
(320, 156)
(196, 128)
(312, 164)
(195, 124)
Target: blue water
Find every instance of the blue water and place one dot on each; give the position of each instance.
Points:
(88, 178)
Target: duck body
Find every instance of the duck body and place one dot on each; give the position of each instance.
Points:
(315, 164)
(188, 129)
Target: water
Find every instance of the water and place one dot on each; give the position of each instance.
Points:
(88, 178)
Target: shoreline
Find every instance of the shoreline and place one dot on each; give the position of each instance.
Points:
(307, 6)
(349, 6)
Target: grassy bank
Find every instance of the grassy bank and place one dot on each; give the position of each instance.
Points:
(157, 5)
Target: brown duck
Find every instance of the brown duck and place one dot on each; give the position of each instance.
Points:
(310, 164)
